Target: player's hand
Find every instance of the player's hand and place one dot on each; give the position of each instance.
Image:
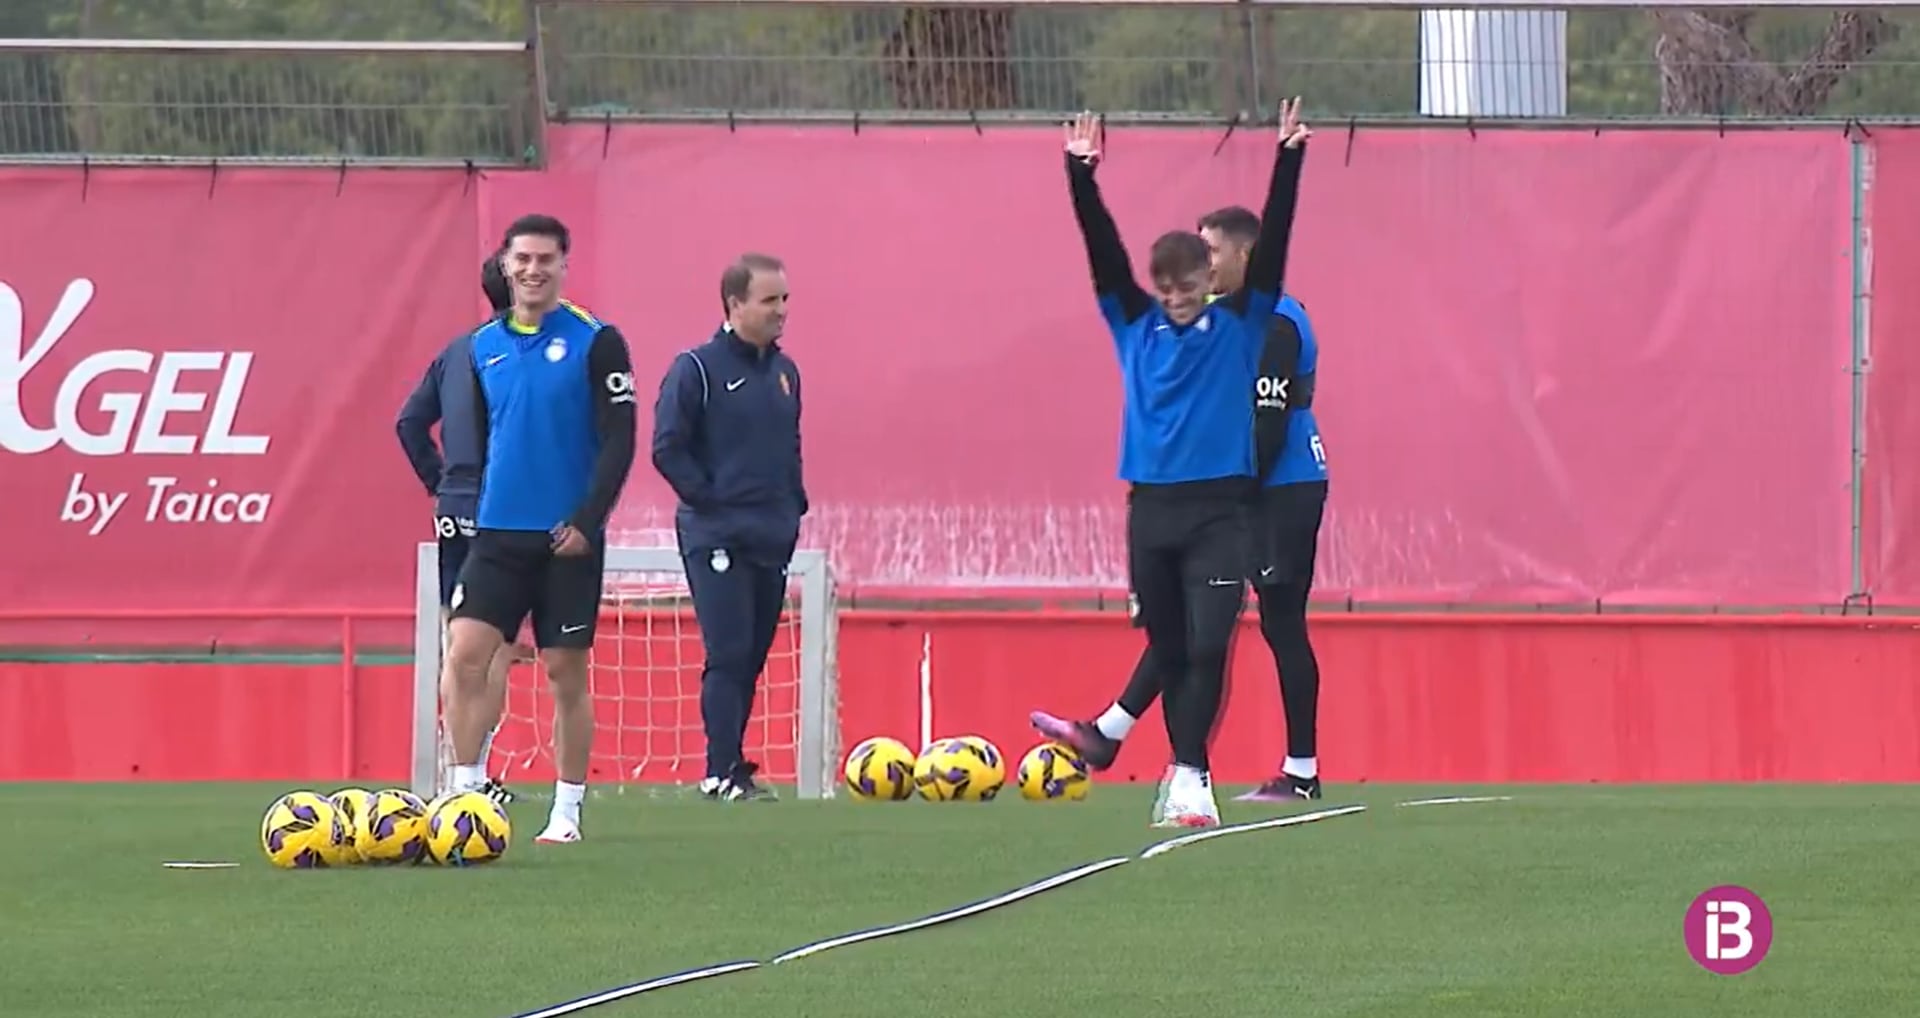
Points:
(1084, 135)
(569, 541)
(1293, 133)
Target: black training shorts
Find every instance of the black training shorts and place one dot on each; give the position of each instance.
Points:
(1184, 539)
(1286, 533)
(511, 574)
(456, 538)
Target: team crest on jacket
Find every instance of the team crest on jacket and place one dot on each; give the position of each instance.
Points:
(785, 386)
(557, 350)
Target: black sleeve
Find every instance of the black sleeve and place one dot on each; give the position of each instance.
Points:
(1112, 270)
(1276, 394)
(676, 427)
(415, 426)
(799, 472)
(1267, 264)
(610, 374)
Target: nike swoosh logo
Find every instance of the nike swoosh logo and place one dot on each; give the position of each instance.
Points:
(573, 629)
(1221, 583)
(1268, 571)
(735, 384)
(495, 359)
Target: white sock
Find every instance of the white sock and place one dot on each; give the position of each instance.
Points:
(468, 777)
(1115, 723)
(1302, 766)
(567, 797)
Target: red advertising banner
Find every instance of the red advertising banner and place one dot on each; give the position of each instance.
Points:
(1890, 510)
(198, 378)
(1554, 365)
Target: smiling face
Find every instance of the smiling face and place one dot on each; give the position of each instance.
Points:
(536, 265)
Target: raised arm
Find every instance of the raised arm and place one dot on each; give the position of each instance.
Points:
(1267, 264)
(676, 424)
(1121, 299)
(610, 372)
(415, 426)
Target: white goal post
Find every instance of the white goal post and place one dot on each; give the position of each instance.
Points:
(645, 676)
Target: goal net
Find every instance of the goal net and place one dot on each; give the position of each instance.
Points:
(644, 671)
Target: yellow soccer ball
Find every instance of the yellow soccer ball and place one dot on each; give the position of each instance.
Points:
(967, 769)
(1053, 771)
(350, 803)
(880, 769)
(466, 829)
(392, 828)
(302, 831)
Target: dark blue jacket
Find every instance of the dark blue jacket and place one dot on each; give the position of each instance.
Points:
(726, 436)
(559, 418)
(450, 470)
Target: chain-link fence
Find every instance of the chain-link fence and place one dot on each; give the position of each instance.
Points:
(655, 58)
(473, 79)
(133, 100)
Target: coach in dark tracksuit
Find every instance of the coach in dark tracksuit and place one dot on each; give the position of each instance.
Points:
(726, 436)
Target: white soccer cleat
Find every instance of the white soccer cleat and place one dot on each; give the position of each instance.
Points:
(561, 830)
(1186, 804)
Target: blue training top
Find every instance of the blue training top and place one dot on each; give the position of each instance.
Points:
(1189, 391)
(559, 411)
(1287, 373)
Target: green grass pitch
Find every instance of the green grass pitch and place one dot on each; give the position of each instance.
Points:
(1564, 901)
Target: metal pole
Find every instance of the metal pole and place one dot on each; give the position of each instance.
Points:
(1862, 360)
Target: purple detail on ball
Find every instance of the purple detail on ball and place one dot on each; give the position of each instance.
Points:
(463, 829)
(307, 859)
(276, 839)
(385, 825)
(303, 811)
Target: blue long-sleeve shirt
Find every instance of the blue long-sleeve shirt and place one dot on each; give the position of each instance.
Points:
(558, 407)
(726, 437)
(1189, 389)
(450, 469)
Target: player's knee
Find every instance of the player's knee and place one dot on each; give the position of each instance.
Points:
(470, 647)
(566, 674)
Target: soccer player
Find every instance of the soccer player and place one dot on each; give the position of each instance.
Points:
(556, 401)
(1286, 530)
(450, 470)
(726, 436)
(1188, 369)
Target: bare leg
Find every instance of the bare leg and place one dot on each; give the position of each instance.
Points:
(572, 712)
(471, 647)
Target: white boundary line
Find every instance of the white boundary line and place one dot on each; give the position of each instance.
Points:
(1170, 844)
(635, 989)
(1450, 800)
(1027, 891)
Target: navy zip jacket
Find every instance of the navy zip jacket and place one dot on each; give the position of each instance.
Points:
(1189, 389)
(726, 436)
(557, 410)
(450, 470)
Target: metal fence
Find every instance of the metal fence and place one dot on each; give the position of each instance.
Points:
(482, 93)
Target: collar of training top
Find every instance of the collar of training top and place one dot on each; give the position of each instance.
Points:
(741, 347)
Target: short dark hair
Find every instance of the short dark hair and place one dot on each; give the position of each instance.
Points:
(537, 225)
(1235, 221)
(1175, 254)
(738, 276)
(493, 282)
